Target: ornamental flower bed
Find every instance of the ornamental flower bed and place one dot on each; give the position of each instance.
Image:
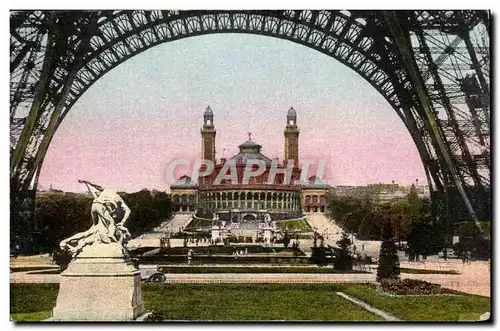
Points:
(411, 287)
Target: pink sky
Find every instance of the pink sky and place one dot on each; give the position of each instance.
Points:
(127, 127)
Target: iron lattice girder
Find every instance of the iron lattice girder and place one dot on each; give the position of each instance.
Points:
(450, 21)
(121, 44)
(466, 128)
(460, 140)
(123, 30)
(358, 39)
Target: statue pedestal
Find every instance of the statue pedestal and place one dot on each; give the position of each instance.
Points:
(100, 284)
(268, 234)
(215, 232)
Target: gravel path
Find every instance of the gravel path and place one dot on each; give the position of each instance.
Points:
(23, 277)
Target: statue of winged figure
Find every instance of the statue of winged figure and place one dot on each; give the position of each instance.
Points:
(109, 214)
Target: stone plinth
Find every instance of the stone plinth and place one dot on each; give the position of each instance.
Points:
(100, 284)
(268, 233)
(215, 232)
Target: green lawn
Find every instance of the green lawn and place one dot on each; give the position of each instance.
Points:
(248, 270)
(31, 298)
(426, 271)
(28, 268)
(423, 308)
(240, 302)
(198, 223)
(253, 270)
(271, 269)
(301, 225)
(223, 302)
(31, 317)
(218, 250)
(244, 302)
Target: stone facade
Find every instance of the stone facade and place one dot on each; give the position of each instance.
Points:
(314, 200)
(276, 195)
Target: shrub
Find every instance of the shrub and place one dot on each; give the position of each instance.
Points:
(318, 256)
(388, 266)
(410, 287)
(343, 259)
(157, 316)
(286, 240)
(367, 259)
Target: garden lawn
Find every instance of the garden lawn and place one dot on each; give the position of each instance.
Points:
(34, 268)
(249, 302)
(31, 317)
(254, 270)
(222, 302)
(219, 250)
(197, 223)
(252, 302)
(32, 302)
(295, 224)
(427, 271)
(240, 270)
(465, 307)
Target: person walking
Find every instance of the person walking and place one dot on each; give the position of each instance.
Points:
(469, 257)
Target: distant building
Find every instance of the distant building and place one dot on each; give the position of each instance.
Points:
(42, 191)
(277, 197)
(381, 192)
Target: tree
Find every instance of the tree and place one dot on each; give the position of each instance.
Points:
(61, 215)
(426, 234)
(472, 240)
(318, 254)
(343, 259)
(388, 266)
(58, 216)
(372, 225)
(349, 212)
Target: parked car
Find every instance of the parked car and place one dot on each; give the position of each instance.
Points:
(150, 273)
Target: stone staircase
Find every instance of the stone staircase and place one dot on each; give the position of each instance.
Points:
(176, 224)
(173, 225)
(332, 233)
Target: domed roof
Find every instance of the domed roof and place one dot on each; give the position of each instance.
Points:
(249, 143)
(250, 150)
(243, 157)
(292, 112)
(208, 111)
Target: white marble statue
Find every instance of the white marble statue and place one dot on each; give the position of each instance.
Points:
(109, 214)
(267, 219)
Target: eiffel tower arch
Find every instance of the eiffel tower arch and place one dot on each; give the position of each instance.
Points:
(433, 67)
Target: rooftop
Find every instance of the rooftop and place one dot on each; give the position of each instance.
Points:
(250, 150)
